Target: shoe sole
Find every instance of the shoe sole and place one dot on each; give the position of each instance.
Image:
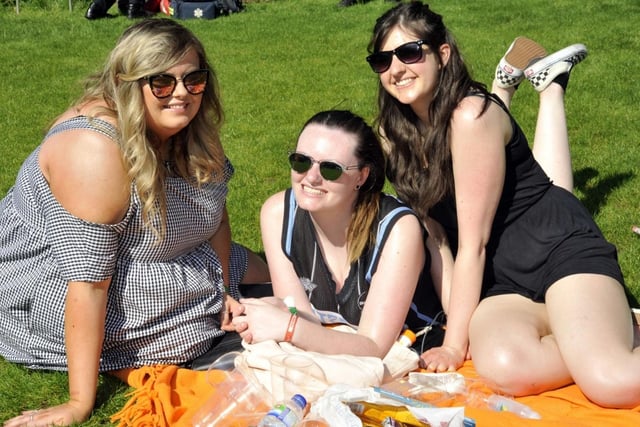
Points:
(521, 53)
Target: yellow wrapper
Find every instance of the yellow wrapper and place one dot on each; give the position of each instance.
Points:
(373, 414)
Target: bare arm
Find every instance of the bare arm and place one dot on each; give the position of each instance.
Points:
(84, 334)
(441, 261)
(391, 292)
(221, 244)
(284, 279)
(86, 176)
(393, 284)
(478, 153)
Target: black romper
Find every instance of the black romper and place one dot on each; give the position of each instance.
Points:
(541, 232)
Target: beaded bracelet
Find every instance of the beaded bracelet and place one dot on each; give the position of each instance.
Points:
(291, 327)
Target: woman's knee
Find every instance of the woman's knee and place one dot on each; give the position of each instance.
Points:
(610, 387)
(505, 368)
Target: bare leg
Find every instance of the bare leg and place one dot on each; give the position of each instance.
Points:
(526, 59)
(551, 141)
(591, 321)
(505, 94)
(583, 333)
(549, 76)
(257, 270)
(512, 348)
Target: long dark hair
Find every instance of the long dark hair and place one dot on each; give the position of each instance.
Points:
(369, 153)
(419, 156)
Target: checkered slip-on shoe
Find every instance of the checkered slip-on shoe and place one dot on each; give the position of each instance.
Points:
(522, 53)
(542, 72)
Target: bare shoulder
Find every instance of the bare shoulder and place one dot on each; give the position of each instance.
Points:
(470, 109)
(473, 118)
(407, 228)
(97, 109)
(86, 174)
(273, 207)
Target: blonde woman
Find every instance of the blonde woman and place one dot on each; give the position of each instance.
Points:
(115, 246)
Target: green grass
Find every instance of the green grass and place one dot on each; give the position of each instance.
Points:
(283, 60)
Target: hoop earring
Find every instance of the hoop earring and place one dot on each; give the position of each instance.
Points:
(357, 187)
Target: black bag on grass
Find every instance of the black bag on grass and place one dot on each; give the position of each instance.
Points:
(207, 9)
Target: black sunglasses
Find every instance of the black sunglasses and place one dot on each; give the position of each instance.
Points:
(329, 170)
(163, 85)
(409, 53)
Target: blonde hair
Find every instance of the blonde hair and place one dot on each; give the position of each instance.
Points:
(148, 47)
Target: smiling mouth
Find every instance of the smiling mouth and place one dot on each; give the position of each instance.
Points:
(403, 82)
(176, 106)
(311, 191)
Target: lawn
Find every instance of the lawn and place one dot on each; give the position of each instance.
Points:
(280, 61)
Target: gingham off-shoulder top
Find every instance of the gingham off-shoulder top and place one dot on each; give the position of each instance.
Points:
(164, 299)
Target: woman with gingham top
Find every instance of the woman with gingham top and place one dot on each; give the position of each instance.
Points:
(115, 245)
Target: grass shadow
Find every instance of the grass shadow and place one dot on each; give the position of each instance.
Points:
(112, 395)
(596, 190)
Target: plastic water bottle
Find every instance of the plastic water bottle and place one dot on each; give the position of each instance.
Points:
(407, 338)
(502, 403)
(285, 414)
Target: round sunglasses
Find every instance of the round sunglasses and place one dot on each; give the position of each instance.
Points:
(329, 170)
(408, 53)
(163, 85)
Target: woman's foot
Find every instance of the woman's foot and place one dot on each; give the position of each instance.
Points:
(553, 67)
(522, 53)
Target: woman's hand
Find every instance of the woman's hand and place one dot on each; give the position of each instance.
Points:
(263, 319)
(232, 308)
(442, 359)
(61, 415)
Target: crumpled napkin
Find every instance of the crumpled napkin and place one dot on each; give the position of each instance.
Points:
(355, 371)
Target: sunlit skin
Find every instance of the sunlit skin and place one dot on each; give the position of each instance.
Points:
(316, 194)
(331, 205)
(86, 175)
(581, 333)
(412, 84)
(167, 116)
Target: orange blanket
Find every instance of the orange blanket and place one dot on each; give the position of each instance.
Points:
(170, 396)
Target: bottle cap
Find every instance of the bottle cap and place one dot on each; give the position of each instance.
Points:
(299, 400)
(407, 338)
